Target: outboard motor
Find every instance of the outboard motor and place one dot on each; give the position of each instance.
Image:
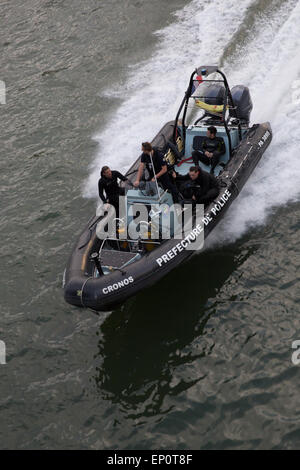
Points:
(243, 103)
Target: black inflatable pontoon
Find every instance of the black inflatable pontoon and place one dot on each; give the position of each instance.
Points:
(103, 271)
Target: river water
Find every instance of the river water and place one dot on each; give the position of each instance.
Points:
(203, 359)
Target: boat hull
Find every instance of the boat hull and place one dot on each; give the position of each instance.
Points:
(103, 293)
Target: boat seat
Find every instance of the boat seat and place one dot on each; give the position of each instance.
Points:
(198, 142)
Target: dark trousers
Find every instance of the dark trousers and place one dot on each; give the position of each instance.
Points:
(199, 156)
(208, 197)
(113, 199)
(205, 199)
(165, 181)
(167, 184)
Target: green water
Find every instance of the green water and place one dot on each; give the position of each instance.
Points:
(202, 359)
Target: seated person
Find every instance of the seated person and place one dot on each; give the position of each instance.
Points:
(198, 186)
(109, 183)
(158, 170)
(213, 147)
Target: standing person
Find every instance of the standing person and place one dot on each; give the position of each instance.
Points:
(212, 149)
(158, 170)
(109, 183)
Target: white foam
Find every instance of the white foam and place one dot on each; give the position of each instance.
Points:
(268, 63)
(271, 68)
(156, 86)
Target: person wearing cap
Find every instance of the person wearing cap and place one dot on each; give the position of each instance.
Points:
(212, 149)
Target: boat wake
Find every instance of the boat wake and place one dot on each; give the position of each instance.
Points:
(256, 46)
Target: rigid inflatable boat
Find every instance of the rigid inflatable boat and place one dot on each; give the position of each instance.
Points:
(105, 269)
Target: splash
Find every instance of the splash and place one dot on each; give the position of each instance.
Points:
(155, 87)
(271, 68)
(263, 56)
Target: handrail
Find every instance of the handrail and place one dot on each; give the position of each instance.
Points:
(227, 100)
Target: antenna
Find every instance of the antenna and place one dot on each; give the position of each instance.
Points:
(157, 188)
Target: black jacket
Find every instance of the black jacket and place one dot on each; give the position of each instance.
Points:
(200, 186)
(158, 161)
(215, 146)
(110, 186)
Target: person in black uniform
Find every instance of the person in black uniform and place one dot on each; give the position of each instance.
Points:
(212, 149)
(197, 185)
(158, 170)
(109, 183)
